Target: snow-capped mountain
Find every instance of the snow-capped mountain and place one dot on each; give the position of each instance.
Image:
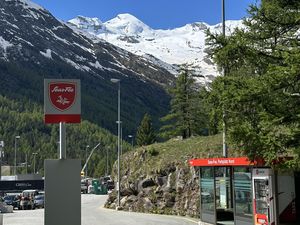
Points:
(168, 48)
(35, 45)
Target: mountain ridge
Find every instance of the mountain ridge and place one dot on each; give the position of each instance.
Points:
(175, 47)
(35, 45)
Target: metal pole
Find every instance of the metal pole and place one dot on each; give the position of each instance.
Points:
(86, 167)
(121, 138)
(106, 171)
(15, 167)
(34, 163)
(62, 140)
(223, 17)
(34, 155)
(89, 157)
(1, 154)
(224, 74)
(26, 161)
(119, 132)
(1, 164)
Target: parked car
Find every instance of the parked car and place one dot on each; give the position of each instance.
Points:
(27, 199)
(84, 186)
(39, 201)
(12, 200)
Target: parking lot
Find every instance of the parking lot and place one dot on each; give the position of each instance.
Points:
(93, 213)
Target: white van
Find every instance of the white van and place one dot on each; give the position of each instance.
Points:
(27, 199)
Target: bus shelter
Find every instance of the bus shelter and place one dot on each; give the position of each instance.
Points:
(236, 191)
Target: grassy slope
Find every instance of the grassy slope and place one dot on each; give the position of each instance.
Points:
(159, 156)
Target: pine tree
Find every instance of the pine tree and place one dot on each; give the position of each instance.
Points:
(186, 115)
(261, 89)
(145, 134)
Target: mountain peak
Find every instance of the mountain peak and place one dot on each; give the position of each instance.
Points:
(127, 24)
(127, 16)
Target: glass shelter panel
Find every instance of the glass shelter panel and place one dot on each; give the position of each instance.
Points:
(243, 196)
(223, 188)
(223, 197)
(207, 191)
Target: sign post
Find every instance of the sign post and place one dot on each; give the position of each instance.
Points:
(62, 104)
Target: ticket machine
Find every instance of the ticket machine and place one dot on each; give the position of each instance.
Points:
(263, 196)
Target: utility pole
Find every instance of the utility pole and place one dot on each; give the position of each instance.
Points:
(224, 74)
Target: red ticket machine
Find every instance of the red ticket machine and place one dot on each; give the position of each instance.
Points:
(263, 196)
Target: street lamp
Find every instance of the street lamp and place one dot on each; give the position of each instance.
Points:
(106, 170)
(15, 169)
(34, 155)
(119, 132)
(131, 136)
(1, 155)
(86, 167)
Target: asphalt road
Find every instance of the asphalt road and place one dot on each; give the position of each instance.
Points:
(93, 213)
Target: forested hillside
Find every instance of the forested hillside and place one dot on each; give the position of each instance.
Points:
(25, 119)
(34, 45)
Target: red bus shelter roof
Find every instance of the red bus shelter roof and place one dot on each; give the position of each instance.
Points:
(240, 161)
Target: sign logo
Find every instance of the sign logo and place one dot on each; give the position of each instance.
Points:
(62, 94)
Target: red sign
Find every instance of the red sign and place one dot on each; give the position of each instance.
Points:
(62, 100)
(62, 95)
(241, 161)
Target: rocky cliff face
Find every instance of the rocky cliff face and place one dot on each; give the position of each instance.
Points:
(171, 189)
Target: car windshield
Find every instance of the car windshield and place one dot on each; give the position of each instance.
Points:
(9, 197)
(39, 197)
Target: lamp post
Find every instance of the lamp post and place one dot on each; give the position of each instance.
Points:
(106, 170)
(119, 132)
(1, 155)
(131, 136)
(86, 167)
(26, 163)
(34, 155)
(15, 169)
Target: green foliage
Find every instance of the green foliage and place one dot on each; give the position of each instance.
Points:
(187, 116)
(153, 152)
(172, 152)
(260, 89)
(145, 134)
(23, 81)
(26, 119)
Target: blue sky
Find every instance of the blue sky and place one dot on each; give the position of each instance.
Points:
(155, 13)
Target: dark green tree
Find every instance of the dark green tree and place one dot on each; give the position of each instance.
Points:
(145, 134)
(186, 115)
(260, 92)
